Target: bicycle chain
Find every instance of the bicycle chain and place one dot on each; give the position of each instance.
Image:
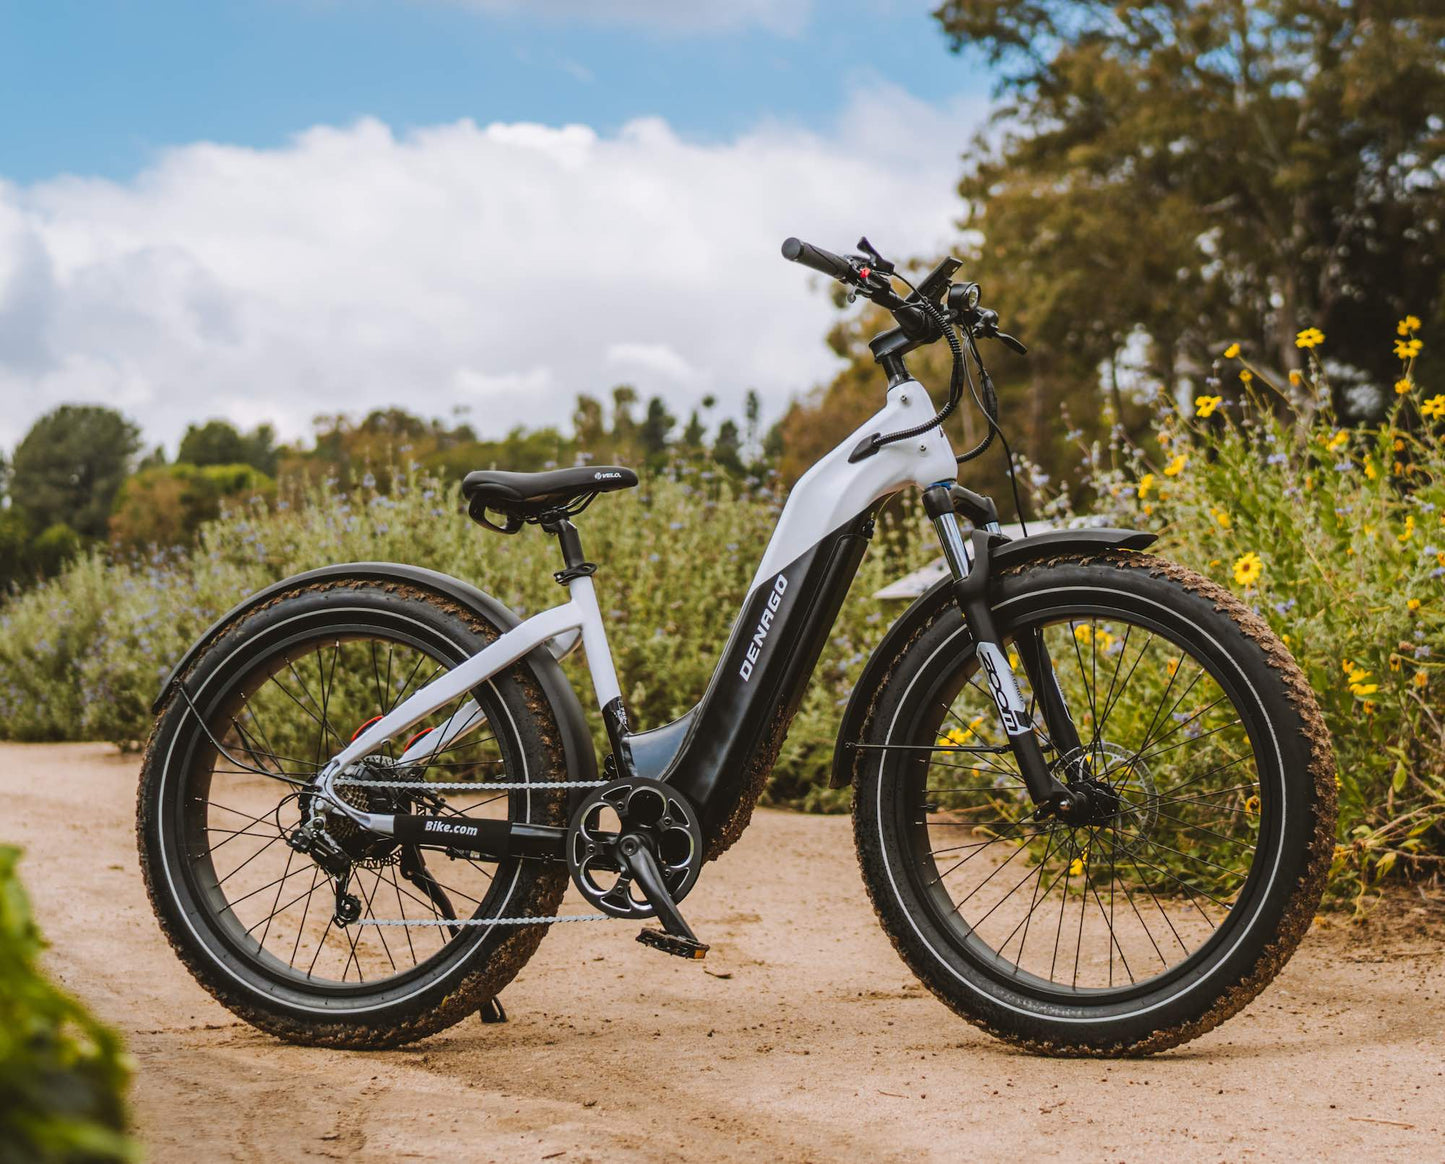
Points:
(428, 786)
(485, 921)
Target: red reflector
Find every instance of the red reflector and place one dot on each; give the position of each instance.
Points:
(416, 737)
(363, 727)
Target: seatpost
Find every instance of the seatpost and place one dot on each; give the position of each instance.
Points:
(576, 575)
(575, 565)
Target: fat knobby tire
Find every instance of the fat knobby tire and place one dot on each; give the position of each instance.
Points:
(462, 984)
(1286, 910)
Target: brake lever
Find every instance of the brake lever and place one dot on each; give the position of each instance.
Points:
(1011, 343)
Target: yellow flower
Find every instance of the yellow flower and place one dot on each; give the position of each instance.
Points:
(1434, 407)
(1084, 633)
(1076, 866)
(1421, 679)
(1172, 665)
(1309, 338)
(1233, 350)
(1247, 568)
(1403, 385)
(1176, 466)
(1370, 471)
(1396, 662)
(959, 737)
(1404, 327)
(1407, 349)
(1146, 483)
(1409, 528)
(1204, 406)
(1296, 377)
(1251, 806)
(1400, 448)
(1363, 689)
(1369, 707)
(1412, 605)
(1246, 377)
(1221, 517)
(1339, 440)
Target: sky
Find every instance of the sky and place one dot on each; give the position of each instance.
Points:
(272, 209)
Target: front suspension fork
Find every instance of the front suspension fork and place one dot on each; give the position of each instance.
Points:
(970, 590)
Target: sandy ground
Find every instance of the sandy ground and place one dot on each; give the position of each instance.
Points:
(803, 1037)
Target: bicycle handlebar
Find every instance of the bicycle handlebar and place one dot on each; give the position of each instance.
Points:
(795, 250)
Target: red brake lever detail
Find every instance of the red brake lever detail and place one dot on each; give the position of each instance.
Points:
(864, 272)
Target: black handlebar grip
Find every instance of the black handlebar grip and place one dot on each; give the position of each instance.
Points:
(825, 262)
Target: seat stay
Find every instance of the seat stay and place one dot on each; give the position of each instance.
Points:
(580, 613)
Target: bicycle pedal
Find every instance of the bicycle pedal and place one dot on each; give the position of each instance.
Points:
(674, 944)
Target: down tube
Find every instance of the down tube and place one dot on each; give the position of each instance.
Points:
(760, 680)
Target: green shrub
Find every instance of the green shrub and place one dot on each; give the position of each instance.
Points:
(62, 1074)
(1336, 536)
(82, 656)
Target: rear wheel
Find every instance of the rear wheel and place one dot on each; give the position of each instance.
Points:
(1201, 867)
(229, 776)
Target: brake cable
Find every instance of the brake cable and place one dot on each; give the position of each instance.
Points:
(987, 403)
(955, 379)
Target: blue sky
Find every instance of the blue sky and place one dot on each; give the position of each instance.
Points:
(98, 86)
(272, 209)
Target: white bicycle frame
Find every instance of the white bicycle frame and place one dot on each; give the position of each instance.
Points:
(833, 492)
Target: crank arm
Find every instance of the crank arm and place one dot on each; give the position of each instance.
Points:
(642, 865)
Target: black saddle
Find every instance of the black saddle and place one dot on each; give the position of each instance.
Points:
(521, 497)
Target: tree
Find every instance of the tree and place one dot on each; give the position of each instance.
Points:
(694, 432)
(653, 432)
(69, 466)
(727, 447)
(165, 506)
(218, 442)
(1191, 172)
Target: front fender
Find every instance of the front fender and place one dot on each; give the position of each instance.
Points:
(576, 739)
(939, 595)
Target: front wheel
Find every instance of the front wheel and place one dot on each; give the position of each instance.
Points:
(1213, 780)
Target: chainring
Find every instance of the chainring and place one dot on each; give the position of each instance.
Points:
(632, 806)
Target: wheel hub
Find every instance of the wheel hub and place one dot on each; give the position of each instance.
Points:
(356, 843)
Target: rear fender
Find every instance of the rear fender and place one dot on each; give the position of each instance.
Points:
(938, 596)
(576, 739)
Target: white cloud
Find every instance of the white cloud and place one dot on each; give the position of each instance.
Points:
(506, 267)
(659, 358)
(787, 17)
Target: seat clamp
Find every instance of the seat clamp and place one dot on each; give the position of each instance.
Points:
(581, 570)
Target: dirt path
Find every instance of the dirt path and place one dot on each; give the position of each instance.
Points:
(804, 1038)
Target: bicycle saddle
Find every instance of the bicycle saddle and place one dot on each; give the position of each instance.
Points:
(529, 495)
